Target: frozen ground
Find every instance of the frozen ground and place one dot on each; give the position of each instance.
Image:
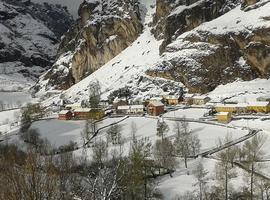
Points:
(195, 113)
(61, 132)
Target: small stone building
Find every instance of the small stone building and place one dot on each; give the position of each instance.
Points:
(155, 108)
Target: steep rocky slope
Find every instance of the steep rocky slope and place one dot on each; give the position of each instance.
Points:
(233, 46)
(200, 43)
(104, 29)
(29, 36)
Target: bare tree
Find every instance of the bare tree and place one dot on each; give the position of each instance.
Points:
(2, 107)
(89, 131)
(186, 144)
(254, 153)
(94, 94)
(200, 174)
(225, 165)
(100, 153)
(114, 134)
(162, 128)
(163, 153)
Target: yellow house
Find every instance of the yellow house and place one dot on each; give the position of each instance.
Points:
(263, 107)
(224, 117)
(226, 108)
(172, 100)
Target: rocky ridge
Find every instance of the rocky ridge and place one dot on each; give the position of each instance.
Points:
(104, 29)
(231, 47)
(29, 37)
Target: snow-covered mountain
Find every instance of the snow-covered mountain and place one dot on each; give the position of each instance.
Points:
(169, 45)
(29, 38)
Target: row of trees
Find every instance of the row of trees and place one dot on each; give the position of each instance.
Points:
(248, 156)
(26, 174)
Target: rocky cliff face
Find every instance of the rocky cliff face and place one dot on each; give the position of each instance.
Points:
(173, 18)
(233, 46)
(104, 29)
(29, 35)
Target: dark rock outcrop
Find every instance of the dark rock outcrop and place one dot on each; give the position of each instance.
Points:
(174, 19)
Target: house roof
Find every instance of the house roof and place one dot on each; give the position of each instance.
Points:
(259, 103)
(130, 107)
(200, 97)
(226, 105)
(156, 99)
(123, 107)
(74, 105)
(189, 95)
(172, 97)
(156, 103)
(64, 112)
(223, 113)
(82, 110)
(136, 106)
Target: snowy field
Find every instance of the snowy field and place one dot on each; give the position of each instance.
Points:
(10, 100)
(194, 113)
(8, 119)
(61, 132)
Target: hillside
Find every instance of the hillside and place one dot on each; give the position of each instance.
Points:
(29, 37)
(233, 46)
(175, 46)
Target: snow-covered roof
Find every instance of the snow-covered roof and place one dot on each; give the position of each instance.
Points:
(156, 103)
(136, 106)
(226, 105)
(82, 110)
(259, 103)
(156, 99)
(172, 97)
(74, 105)
(189, 95)
(241, 105)
(223, 113)
(130, 107)
(200, 97)
(122, 107)
(63, 112)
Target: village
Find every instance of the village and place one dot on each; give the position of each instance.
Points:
(222, 112)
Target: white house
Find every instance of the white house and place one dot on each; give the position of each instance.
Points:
(131, 109)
